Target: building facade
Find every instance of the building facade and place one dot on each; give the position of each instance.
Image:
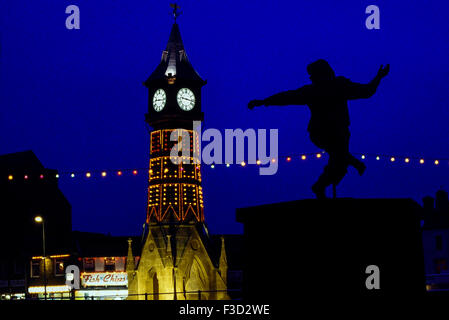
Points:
(102, 261)
(436, 241)
(27, 190)
(47, 277)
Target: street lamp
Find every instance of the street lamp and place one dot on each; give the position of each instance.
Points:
(39, 219)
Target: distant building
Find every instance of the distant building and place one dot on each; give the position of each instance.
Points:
(28, 189)
(56, 287)
(102, 261)
(436, 241)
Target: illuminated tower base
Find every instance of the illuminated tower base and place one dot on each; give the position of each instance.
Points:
(177, 261)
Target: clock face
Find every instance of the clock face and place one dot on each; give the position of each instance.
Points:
(186, 99)
(159, 100)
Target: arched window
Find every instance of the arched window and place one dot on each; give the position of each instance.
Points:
(152, 285)
(196, 280)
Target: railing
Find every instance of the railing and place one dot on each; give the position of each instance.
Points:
(233, 294)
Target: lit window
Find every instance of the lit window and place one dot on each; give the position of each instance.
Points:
(35, 268)
(89, 264)
(59, 267)
(109, 264)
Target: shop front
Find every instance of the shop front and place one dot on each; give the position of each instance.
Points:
(103, 286)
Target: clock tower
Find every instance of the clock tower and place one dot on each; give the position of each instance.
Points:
(178, 260)
(174, 103)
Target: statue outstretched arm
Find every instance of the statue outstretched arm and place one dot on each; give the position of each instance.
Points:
(285, 98)
(363, 91)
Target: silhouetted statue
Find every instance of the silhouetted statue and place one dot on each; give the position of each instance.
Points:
(327, 98)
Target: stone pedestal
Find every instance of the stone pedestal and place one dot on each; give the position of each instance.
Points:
(320, 247)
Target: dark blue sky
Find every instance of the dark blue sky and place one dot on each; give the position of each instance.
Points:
(75, 97)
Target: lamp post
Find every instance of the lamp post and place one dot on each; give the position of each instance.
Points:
(39, 219)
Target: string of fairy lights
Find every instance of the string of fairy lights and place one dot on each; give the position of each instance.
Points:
(394, 159)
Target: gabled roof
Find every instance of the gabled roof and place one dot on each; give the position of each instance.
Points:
(174, 61)
(25, 160)
(88, 244)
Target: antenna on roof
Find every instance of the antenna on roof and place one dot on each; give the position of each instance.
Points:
(175, 7)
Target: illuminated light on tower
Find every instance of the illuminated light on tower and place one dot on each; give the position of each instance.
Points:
(212, 166)
(41, 176)
(437, 162)
(72, 175)
(363, 156)
(227, 165)
(303, 157)
(377, 158)
(119, 173)
(258, 162)
(88, 175)
(243, 163)
(407, 160)
(57, 176)
(318, 155)
(289, 159)
(25, 177)
(421, 161)
(273, 160)
(10, 177)
(103, 174)
(392, 159)
(135, 172)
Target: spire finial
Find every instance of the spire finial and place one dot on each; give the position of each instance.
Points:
(130, 266)
(175, 7)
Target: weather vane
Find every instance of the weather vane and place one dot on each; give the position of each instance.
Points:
(175, 7)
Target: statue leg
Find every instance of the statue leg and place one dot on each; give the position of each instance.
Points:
(357, 164)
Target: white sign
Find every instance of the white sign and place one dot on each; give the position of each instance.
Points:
(104, 279)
